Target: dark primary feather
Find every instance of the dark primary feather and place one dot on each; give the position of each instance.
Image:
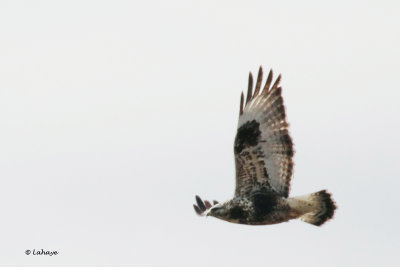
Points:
(276, 83)
(200, 203)
(263, 147)
(208, 204)
(197, 210)
(203, 206)
(268, 82)
(241, 104)
(249, 88)
(259, 81)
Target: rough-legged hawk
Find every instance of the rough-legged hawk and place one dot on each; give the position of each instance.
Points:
(264, 166)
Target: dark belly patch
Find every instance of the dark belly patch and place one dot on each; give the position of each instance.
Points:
(264, 203)
(237, 213)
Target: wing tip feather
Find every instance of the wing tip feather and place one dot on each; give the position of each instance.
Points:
(202, 206)
(241, 103)
(249, 88)
(259, 81)
(267, 87)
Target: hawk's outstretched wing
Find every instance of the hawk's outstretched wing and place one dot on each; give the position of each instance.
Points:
(263, 147)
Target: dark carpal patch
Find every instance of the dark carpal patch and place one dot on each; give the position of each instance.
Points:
(247, 135)
(264, 203)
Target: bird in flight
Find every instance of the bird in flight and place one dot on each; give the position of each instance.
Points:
(264, 152)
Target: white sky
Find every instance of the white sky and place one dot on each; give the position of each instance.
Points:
(114, 114)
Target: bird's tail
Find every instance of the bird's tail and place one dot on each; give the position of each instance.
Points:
(316, 208)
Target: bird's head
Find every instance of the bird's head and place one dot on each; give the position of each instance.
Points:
(219, 211)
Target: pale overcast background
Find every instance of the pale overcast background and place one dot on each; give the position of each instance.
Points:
(114, 114)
